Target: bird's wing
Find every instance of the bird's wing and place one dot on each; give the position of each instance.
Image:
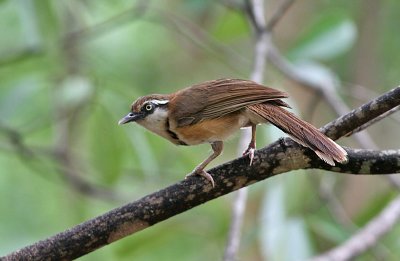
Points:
(214, 99)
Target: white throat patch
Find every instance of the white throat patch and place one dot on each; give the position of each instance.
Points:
(156, 121)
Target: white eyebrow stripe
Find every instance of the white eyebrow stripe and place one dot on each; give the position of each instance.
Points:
(159, 102)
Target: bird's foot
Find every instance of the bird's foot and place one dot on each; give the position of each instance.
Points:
(202, 173)
(250, 152)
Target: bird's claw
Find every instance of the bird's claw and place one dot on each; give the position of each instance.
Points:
(250, 152)
(202, 173)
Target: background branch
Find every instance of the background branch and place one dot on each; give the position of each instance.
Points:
(69, 70)
(255, 11)
(367, 236)
(327, 91)
(263, 30)
(279, 157)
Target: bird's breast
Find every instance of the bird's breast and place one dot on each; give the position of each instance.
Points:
(211, 130)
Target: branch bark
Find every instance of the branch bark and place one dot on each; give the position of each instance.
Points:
(186, 194)
(279, 157)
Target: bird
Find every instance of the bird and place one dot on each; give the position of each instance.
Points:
(212, 111)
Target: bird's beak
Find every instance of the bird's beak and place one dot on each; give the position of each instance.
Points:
(130, 117)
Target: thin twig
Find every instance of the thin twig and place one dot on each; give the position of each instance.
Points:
(278, 14)
(255, 12)
(339, 213)
(202, 39)
(367, 236)
(256, 7)
(28, 154)
(366, 113)
(17, 141)
(327, 195)
(234, 234)
(99, 29)
(362, 93)
(368, 124)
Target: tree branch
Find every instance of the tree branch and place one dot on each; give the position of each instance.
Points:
(279, 157)
(366, 125)
(185, 195)
(278, 14)
(365, 113)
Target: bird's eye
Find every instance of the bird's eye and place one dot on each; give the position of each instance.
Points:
(148, 107)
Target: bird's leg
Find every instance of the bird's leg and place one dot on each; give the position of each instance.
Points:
(252, 145)
(217, 147)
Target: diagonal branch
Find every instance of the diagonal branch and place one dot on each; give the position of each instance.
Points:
(365, 113)
(180, 197)
(279, 157)
(278, 14)
(366, 237)
(382, 116)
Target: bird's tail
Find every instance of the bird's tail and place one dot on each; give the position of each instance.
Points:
(301, 131)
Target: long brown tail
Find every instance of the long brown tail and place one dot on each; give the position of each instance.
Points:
(301, 131)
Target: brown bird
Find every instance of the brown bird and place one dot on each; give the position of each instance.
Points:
(212, 111)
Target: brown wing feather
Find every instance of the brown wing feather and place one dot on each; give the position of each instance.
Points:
(217, 98)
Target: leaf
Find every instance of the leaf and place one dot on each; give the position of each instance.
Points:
(331, 231)
(74, 91)
(273, 222)
(297, 243)
(29, 24)
(21, 93)
(230, 26)
(282, 237)
(317, 73)
(328, 37)
(106, 146)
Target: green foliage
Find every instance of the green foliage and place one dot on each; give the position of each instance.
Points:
(69, 70)
(328, 36)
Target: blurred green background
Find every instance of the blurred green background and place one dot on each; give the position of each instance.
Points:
(69, 71)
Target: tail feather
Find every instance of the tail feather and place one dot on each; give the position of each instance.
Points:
(301, 131)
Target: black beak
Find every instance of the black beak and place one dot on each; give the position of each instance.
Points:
(130, 117)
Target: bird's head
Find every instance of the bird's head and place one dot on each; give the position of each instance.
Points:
(145, 106)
